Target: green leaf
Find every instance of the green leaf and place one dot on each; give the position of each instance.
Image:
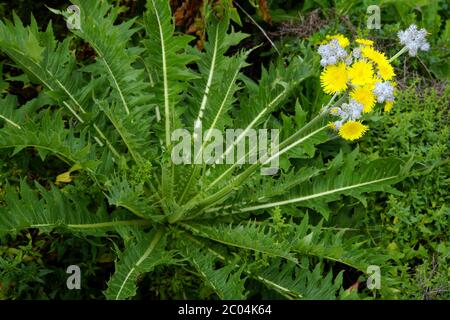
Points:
(53, 209)
(53, 66)
(133, 198)
(301, 282)
(49, 136)
(126, 100)
(226, 281)
(140, 256)
(167, 58)
(250, 236)
(33, 48)
(353, 179)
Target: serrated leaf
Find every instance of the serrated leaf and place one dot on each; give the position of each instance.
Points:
(142, 256)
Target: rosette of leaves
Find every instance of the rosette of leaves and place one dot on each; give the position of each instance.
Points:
(110, 122)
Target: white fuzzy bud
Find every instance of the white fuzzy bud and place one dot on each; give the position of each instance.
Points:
(414, 39)
(384, 91)
(331, 53)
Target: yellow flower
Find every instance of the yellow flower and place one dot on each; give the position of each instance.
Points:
(334, 111)
(332, 125)
(334, 78)
(388, 106)
(373, 81)
(373, 55)
(364, 96)
(352, 130)
(385, 70)
(361, 73)
(343, 41)
(365, 42)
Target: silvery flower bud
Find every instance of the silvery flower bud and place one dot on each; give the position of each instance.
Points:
(357, 53)
(384, 91)
(414, 39)
(355, 109)
(331, 53)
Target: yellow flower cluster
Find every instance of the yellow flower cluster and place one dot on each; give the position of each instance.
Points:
(357, 72)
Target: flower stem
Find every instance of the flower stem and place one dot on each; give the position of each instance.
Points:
(398, 54)
(325, 109)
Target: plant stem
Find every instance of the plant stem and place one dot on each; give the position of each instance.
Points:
(238, 139)
(286, 145)
(250, 170)
(292, 145)
(108, 224)
(398, 54)
(10, 122)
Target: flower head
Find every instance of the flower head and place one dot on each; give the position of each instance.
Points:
(343, 41)
(385, 70)
(364, 42)
(336, 125)
(335, 111)
(352, 130)
(346, 111)
(388, 106)
(373, 55)
(334, 78)
(414, 39)
(384, 91)
(331, 53)
(364, 96)
(361, 73)
(356, 53)
(354, 109)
